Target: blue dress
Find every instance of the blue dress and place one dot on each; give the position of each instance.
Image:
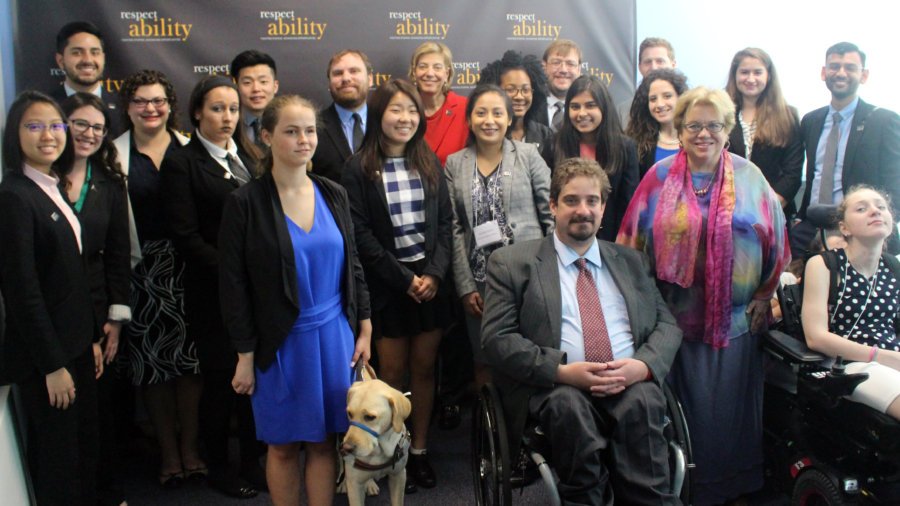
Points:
(302, 396)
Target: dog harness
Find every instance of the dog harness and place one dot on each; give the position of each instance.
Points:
(399, 450)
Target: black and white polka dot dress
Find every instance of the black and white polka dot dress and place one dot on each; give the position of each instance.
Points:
(866, 313)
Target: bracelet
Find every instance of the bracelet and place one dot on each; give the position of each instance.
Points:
(872, 352)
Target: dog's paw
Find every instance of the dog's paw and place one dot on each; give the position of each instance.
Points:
(341, 487)
(371, 488)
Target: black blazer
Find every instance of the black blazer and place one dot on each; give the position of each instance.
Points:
(623, 184)
(873, 150)
(42, 274)
(194, 187)
(538, 134)
(105, 243)
(258, 277)
(110, 99)
(781, 166)
(333, 149)
(386, 276)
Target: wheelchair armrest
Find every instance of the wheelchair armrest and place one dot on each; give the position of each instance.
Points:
(792, 349)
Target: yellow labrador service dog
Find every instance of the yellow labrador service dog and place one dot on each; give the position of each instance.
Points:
(377, 442)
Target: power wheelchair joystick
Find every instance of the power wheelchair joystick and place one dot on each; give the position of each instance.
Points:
(836, 383)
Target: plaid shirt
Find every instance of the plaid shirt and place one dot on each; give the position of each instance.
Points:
(406, 205)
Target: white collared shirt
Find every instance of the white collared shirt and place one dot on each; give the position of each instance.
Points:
(615, 313)
(49, 184)
(97, 91)
(221, 155)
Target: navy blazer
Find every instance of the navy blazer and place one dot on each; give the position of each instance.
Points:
(333, 149)
(386, 276)
(781, 166)
(258, 276)
(194, 187)
(49, 318)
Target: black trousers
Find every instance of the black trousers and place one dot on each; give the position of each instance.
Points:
(217, 404)
(62, 444)
(607, 450)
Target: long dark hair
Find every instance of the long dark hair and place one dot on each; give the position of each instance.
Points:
(418, 155)
(531, 65)
(195, 104)
(269, 119)
(148, 78)
(105, 158)
(774, 119)
(609, 139)
(642, 127)
(13, 158)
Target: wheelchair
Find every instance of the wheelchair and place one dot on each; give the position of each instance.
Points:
(496, 472)
(821, 448)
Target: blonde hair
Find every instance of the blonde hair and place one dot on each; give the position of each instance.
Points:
(717, 99)
(431, 47)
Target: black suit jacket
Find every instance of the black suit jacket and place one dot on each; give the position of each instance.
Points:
(385, 275)
(49, 318)
(105, 243)
(872, 155)
(522, 323)
(622, 183)
(333, 149)
(258, 277)
(111, 99)
(194, 187)
(781, 166)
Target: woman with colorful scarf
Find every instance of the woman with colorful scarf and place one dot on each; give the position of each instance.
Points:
(715, 233)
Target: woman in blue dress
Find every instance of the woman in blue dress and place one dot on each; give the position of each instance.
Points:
(294, 303)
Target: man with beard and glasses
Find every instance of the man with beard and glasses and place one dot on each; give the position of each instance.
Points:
(579, 338)
(80, 54)
(255, 74)
(343, 123)
(848, 142)
(562, 64)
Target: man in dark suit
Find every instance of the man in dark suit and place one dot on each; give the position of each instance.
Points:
(586, 360)
(849, 141)
(562, 64)
(343, 123)
(80, 54)
(255, 74)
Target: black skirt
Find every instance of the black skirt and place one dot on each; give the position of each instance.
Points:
(404, 317)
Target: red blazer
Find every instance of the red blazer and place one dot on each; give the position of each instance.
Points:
(447, 130)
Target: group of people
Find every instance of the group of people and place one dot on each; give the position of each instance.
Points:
(242, 273)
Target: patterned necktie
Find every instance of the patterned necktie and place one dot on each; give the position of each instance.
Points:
(826, 179)
(238, 170)
(357, 132)
(597, 347)
(557, 120)
(254, 125)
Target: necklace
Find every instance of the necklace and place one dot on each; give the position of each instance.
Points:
(840, 299)
(703, 191)
(668, 142)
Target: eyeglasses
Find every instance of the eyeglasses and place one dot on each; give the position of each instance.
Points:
(558, 62)
(512, 91)
(80, 126)
(141, 103)
(38, 128)
(713, 127)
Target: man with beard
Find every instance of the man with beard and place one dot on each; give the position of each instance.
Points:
(562, 64)
(579, 338)
(254, 72)
(848, 143)
(80, 54)
(343, 123)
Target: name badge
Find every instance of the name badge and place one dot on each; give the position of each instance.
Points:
(487, 234)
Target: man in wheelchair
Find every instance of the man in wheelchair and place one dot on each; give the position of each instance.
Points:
(837, 433)
(579, 339)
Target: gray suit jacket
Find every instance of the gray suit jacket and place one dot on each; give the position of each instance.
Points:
(525, 179)
(522, 322)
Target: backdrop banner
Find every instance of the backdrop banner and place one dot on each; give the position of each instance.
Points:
(187, 40)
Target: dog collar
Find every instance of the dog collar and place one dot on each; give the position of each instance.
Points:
(399, 453)
(365, 428)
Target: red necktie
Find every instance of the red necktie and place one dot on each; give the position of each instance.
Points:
(597, 347)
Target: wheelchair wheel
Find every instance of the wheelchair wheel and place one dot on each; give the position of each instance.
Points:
(815, 488)
(490, 450)
(680, 455)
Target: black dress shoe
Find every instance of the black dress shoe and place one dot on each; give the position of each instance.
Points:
(419, 471)
(410, 488)
(255, 475)
(237, 488)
